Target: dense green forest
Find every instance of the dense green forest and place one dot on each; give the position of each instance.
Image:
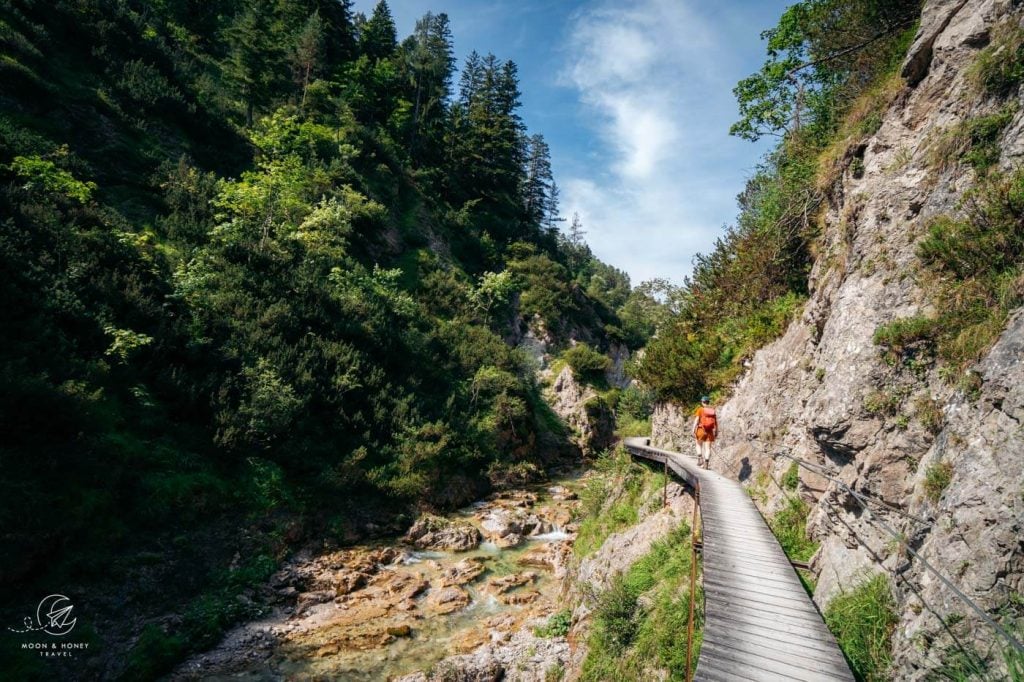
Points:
(831, 72)
(264, 270)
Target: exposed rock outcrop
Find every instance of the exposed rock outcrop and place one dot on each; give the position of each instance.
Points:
(437, 533)
(824, 393)
(584, 411)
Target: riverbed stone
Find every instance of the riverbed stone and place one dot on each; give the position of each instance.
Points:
(437, 533)
(447, 599)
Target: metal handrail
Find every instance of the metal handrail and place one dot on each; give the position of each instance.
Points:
(924, 562)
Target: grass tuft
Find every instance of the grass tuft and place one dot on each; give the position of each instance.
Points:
(999, 68)
(936, 479)
(640, 621)
(790, 527)
(862, 621)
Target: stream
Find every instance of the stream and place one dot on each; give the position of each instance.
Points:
(381, 611)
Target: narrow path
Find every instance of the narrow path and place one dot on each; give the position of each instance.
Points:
(759, 623)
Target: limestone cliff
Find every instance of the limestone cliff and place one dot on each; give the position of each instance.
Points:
(583, 410)
(815, 392)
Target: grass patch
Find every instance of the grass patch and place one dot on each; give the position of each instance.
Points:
(906, 336)
(977, 262)
(789, 525)
(881, 403)
(999, 68)
(611, 499)
(936, 479)
(929, 413)
(557, 626)
(633, 636)
(974, 141)
(862, 121)
(791, 479)
(862, 621)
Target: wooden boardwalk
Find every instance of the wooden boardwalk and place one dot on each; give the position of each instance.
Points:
(759, 623)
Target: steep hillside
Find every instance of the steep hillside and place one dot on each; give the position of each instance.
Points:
(901, 376)
(265, 269)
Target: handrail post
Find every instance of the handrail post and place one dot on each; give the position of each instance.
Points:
(693, 580)
(664, 490)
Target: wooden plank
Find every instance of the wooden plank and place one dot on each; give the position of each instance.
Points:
(706, 673)
(826, 666)
(723, 562)
(716, 548)
(807, 646)
(740, 577)
(717, 603)
(808, 635)
(747, 663)
(771, 589)
(728, 544)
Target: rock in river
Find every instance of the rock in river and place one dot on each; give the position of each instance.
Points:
(436, 533)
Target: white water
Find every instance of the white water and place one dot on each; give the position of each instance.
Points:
(554, 536)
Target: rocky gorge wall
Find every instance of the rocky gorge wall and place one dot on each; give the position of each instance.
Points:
(812, 392)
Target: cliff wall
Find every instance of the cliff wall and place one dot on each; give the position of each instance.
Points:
(946, 449)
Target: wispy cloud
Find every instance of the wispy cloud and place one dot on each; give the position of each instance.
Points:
(654, 81)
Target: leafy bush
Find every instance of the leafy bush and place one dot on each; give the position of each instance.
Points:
(43, 175)
(863, 620)
(557, 626)
(636, 402)
(586, 363)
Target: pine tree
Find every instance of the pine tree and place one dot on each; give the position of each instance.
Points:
(552, 212)
(539, 182)
(578, 251)
(253, 56)
(308, 52)
(430, 61)
(471, 79)
(378, 38)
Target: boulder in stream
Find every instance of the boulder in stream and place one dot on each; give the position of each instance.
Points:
(437, 533)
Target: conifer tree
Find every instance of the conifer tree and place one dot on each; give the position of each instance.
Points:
(430, 62)
(539, 183)
(253, 56)
(378, 37)
(308, 52)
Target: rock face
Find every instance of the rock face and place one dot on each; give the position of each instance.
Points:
(815, 391)
(436, 533)
(584, 411)
(521, 657)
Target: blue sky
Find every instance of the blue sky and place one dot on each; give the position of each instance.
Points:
(635, 99)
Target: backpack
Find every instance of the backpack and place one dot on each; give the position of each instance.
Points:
(708, 420)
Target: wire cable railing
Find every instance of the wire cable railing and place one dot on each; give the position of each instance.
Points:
(899, 537)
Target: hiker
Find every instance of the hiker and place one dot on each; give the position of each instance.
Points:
(705, 430)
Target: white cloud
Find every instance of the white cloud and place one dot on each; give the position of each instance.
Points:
(654, 81)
